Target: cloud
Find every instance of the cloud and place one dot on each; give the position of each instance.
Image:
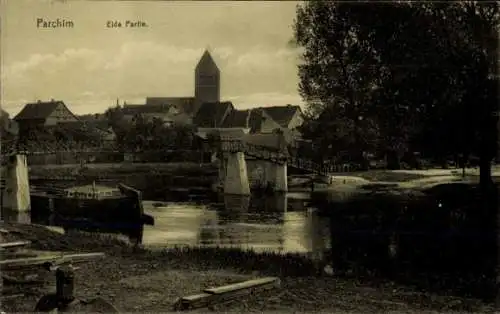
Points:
(138, 69)
(142, 53)
(260, 59)
(47, 62)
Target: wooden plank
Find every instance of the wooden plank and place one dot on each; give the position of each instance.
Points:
(226, 293)
(243, 285)
(7, 245)
(52, 259)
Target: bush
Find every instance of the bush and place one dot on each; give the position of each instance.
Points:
(441, 243)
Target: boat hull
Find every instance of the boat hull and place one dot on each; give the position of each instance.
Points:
(116, 215)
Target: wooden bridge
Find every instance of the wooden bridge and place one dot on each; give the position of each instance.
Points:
(265, 157)
(267, 166)
(255, 146)
(275, 155)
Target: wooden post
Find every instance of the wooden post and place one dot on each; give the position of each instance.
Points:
(65, 284)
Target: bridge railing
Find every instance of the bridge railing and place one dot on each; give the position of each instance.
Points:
(275, 155)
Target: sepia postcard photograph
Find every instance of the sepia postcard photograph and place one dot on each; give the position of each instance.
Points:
(249, 156)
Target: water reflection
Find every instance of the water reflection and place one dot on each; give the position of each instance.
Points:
(278, 223)
(175, 224)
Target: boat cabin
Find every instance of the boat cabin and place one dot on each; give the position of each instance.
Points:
(92, 191)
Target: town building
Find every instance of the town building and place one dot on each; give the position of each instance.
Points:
(9, 128)
(54, 117)
(206, 111)
(44, 113)
(288, 117)
(255, 120)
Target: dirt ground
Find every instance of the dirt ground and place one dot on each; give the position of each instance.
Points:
(146, 282)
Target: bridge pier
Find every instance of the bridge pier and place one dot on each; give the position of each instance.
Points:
(236, 175)
(16, 195)
(277, 175)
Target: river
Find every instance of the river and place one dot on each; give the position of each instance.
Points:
(279, 223)
(283, 223)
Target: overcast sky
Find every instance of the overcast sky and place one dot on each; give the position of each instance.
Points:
(89, 66)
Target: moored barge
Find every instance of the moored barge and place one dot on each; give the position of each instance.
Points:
(92, 208)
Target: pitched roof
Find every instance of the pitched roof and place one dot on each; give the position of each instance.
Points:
(8, 125)
(38, 110)
(185, 104)
(282, 114)
(237, 119)
(252, 119)
(207, 64)
(212, 114)
(138, 109)
(257, 119)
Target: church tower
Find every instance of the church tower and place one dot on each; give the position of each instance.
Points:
(206, 80)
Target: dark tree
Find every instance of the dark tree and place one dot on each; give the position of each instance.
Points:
(401, 77)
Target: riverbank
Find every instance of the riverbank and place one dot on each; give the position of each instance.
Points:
(145, 280)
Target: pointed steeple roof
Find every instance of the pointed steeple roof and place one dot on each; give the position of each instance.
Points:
(207, 63)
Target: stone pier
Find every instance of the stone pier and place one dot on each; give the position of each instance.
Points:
(253, 161)
(263, 172)
(236, 176)
(16, 195)
(276, 174)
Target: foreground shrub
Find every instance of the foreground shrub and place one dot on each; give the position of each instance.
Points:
(438, 240)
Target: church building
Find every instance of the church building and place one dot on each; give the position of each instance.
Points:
(183, 109)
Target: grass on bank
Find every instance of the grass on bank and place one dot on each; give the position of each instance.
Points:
(145, 280)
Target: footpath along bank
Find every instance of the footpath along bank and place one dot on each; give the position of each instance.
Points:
(143, 280)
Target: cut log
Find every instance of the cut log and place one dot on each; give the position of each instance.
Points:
(226, 293)
(8, 245)
(262, 282)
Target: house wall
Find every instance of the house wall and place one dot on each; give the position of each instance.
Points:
(60, 114)
(296, 121)
(268, 126)
(109, 136)
(25, 125)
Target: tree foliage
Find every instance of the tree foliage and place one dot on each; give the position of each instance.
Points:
(399, 77)
(148, 134)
